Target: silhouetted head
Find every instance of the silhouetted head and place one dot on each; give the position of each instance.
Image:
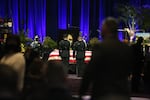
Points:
(56, 73)
(31, 55)
(140, 40)
(37, 69)
(36, 38)
(65, 36)
(109, 28)
(12, 44)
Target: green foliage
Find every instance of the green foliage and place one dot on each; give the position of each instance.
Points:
(49, 43)
(127, 13)
(24, 37)
(140, 15)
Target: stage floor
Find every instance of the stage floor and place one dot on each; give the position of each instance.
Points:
(73, 83)
(132, 98)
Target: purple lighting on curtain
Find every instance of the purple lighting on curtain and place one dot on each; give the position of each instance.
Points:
(120, 36)
(3, 9)
(84, 20)
(62, 14)
(70, 15)
(30, 19)
(22, 14)
(26, 14)
(101, 13)
(101, 16)
(37, 18)
(15, 16)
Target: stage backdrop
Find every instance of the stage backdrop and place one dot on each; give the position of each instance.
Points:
(85, 14)
(47, 16)
(27, 15)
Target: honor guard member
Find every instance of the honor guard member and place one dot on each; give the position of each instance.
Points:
(36, 45)
(79, 52)
(64, 51)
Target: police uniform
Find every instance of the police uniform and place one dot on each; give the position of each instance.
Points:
(79, 52)
(36, 45)
(64, 48)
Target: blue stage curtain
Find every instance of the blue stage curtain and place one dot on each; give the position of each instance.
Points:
(101, 12)
(15, 15)
(26, 15)
(70, 4)
(85, 15)
(3, 9)
(31, 14)
(37, 18)
(62, 14)
(22, 15)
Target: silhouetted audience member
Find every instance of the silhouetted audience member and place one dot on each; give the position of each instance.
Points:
(30, 57)
(14, 58)
(147, 70)
(1, 50)
(108, 71)
(57, 82)
(36, 85)
(138, 66)
(8, 83)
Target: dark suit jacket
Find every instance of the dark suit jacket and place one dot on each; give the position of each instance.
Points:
(109, 69)
(64, 48)
(79, 48)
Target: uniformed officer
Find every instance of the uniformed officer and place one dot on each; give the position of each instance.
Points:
(36, 45)
(64, 51)
(79, 52)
